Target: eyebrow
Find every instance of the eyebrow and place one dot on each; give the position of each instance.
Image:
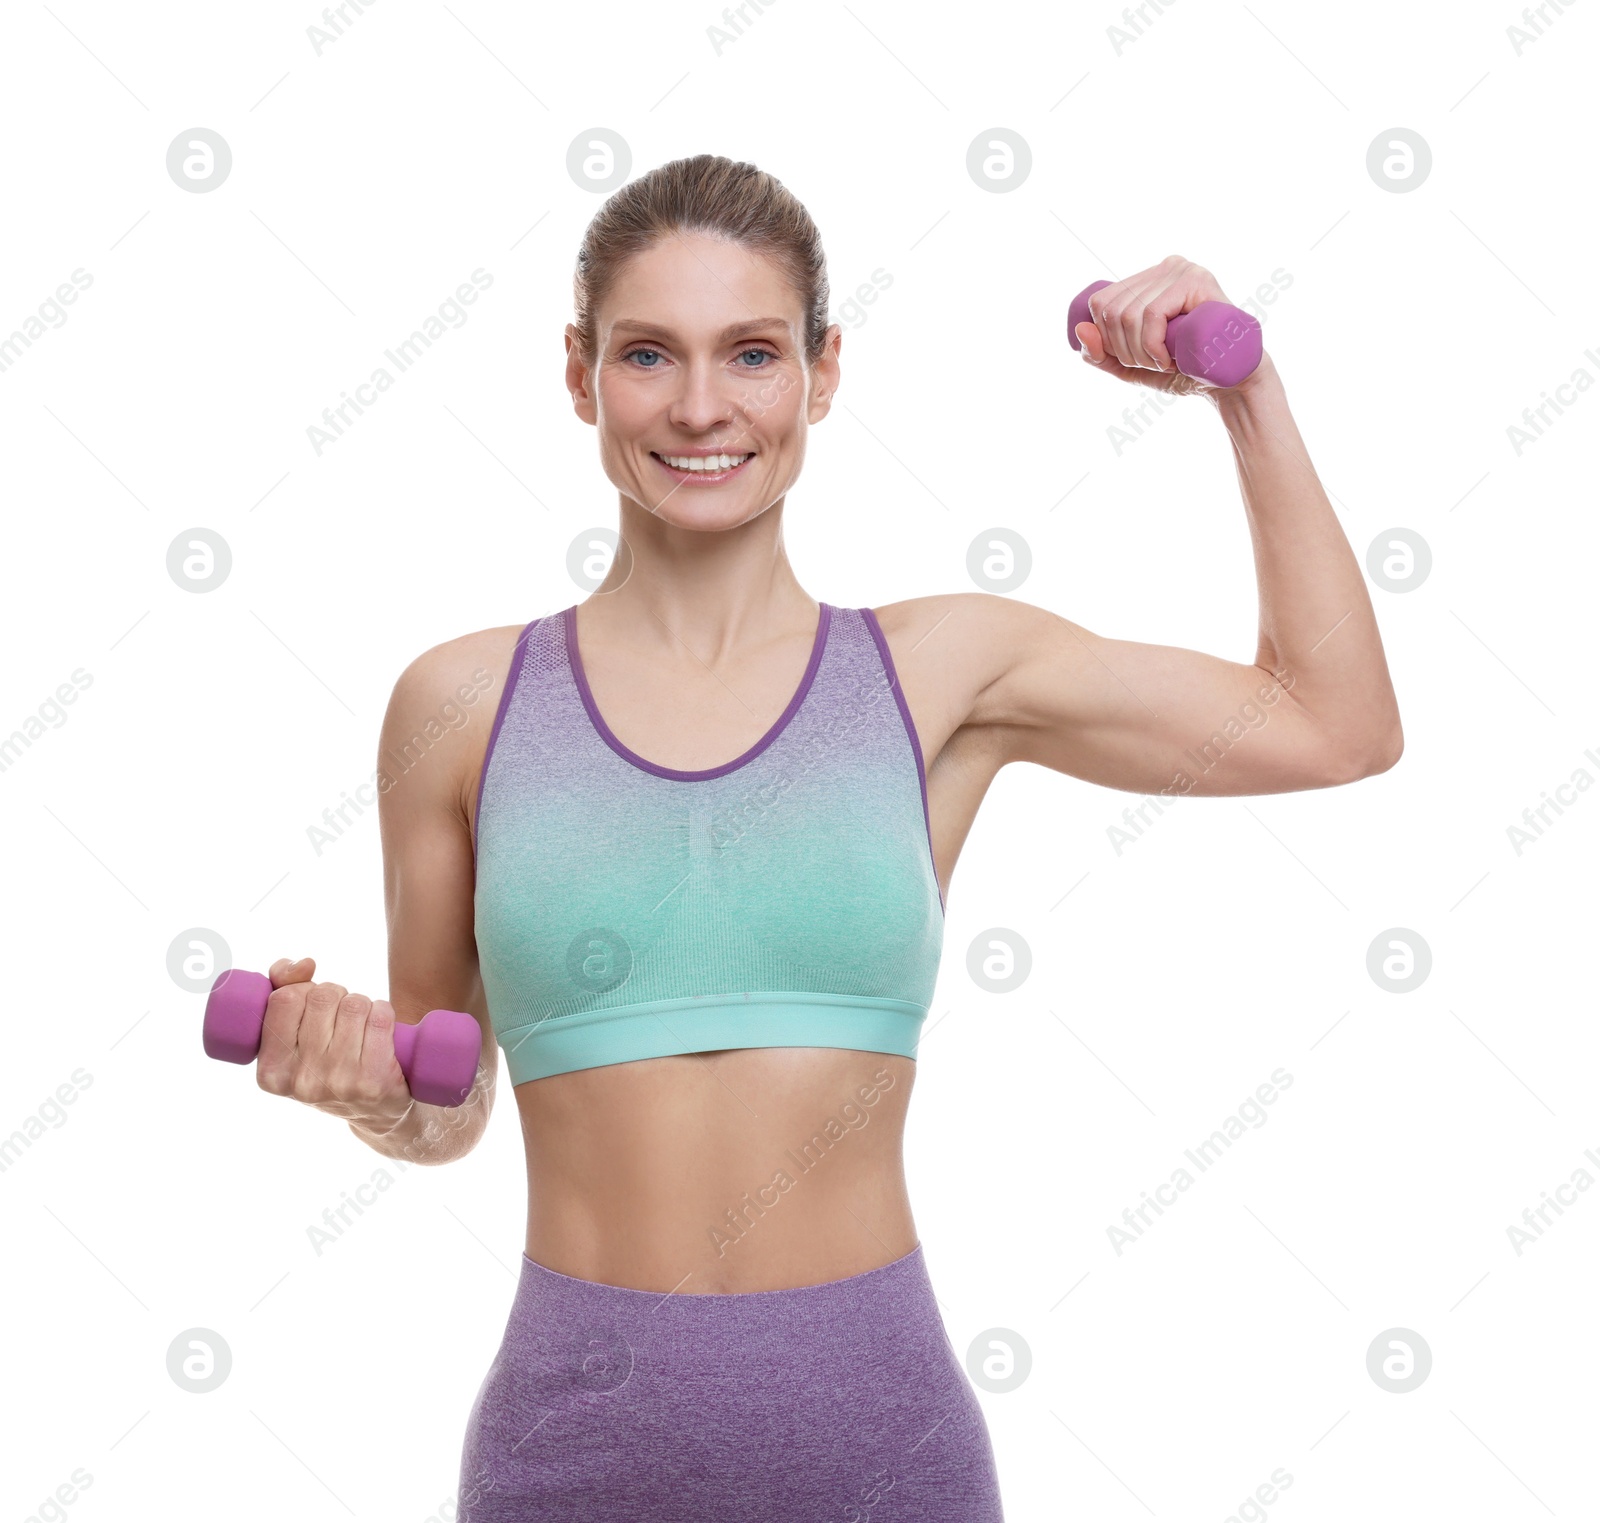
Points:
(736, 330)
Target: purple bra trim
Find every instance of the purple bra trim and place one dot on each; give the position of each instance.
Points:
(882, 643)
(512, 673)
(575, 661)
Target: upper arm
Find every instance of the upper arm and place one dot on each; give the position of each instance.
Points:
(435, 733)
(1139, 717)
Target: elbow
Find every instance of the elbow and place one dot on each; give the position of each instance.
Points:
(1377, 755)
(1387, 751)
(1395, 746)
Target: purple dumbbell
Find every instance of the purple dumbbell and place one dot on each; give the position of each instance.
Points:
(438, 1055)
(1214, 342)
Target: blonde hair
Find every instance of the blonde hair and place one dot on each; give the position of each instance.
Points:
(703, 194)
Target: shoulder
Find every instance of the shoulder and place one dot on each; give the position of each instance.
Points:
(456, 673)
(443, 706)
(960, 643)
(975, 617)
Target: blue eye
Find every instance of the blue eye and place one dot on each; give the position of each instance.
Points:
(762, 356)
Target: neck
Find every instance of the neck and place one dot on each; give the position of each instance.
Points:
(716, 589)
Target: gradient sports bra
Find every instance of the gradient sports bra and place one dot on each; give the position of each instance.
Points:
(784, 899)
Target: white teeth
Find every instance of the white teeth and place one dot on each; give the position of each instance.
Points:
(705, 462)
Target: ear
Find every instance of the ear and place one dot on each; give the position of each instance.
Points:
(579, 381)
(825, 375)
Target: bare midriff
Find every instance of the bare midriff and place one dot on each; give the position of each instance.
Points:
(746, 1169)
(718, 1172)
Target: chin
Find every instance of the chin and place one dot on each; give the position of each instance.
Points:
(706, 517)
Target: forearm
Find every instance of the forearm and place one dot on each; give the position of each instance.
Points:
(431, 1134)
(1318, 629)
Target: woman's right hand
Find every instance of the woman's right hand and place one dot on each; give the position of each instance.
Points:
(331, 1049)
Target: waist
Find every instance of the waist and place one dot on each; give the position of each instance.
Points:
(556, 1295)
(707, 1023)
(720, 1172)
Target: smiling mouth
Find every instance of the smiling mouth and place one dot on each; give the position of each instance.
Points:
(704, 467)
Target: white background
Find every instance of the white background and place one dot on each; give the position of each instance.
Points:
(1168, 981)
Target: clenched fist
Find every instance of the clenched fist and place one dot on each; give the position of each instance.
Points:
(1126, 337)
(331, 1049)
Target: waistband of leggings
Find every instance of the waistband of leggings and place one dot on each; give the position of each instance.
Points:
(906, 1275)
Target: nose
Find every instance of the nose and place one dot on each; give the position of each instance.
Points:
(704, 399)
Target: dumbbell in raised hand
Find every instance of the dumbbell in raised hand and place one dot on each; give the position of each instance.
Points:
(438, 1055)
(1214, 342)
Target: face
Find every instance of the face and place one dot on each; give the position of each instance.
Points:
(700, 355)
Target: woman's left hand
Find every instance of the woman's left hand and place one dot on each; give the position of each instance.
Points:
(1126, 334)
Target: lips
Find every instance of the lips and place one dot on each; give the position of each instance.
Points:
(708, 478)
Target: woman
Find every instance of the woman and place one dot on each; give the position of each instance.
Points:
(692, 881)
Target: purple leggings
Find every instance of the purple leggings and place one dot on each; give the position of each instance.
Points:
(834, 1403)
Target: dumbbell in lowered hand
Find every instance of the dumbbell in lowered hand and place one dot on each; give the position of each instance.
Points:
(438, 1055)
(1214, 342)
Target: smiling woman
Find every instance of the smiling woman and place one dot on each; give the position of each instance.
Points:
(692, 884)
